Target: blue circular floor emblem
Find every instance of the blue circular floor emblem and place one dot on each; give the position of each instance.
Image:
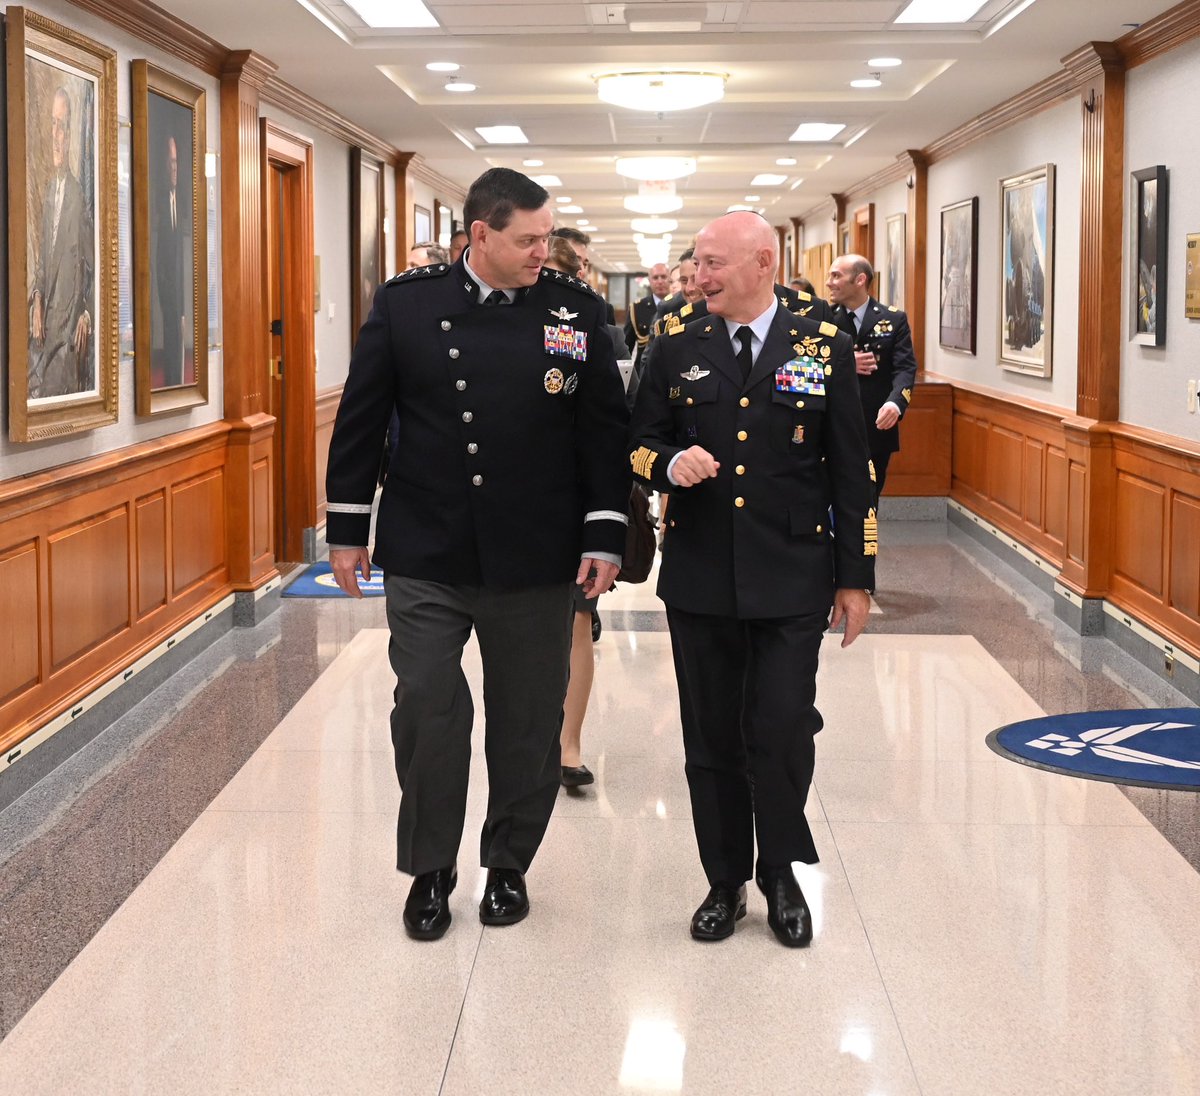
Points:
(1151, 748)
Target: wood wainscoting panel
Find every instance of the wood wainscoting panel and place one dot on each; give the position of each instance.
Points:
(89, 583)
(1138, 532)
(327, 405)
(1033, 483)
(1076, 516)
(1005, 474)
(150, 517)
(923, 465)
(20, 636)
(197, 529)
(970, 464)
(1184, 555)
(261, 523)
(1055, 496)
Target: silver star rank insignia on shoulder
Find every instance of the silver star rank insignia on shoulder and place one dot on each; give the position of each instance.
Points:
(695, 374)
(562, 313)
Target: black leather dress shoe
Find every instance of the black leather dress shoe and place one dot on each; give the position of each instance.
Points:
(427, 911)
(787, 912)
(575, 776)
(505, 899)
(719, 912)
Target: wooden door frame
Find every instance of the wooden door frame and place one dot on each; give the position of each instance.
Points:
(295, 154)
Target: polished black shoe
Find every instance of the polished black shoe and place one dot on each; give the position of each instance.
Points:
(575, 776)
(427, 911)
(787, 912)
(596, 626)
(719, 912)
(505, 899)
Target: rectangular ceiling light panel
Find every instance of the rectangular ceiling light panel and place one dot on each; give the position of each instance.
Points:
(817, 131)
(502, 135)
(939, 11)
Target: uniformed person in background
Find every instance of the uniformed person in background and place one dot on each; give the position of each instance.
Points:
(883, 356)
(508, 486)
(639, 323)
(751, 419)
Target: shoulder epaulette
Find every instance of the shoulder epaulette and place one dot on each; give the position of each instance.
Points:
(828, 328)
(804, 296)
(559, 278)
(420, 273)
(893, 308)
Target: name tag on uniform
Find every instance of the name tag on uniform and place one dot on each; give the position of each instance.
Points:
(801, 375)
(564, 341)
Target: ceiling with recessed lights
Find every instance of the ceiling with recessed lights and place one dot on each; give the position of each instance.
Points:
(789, 130)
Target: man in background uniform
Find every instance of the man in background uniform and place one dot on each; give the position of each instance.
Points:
(639, 324)
(507, 486)
(751, 419)
(884, 360)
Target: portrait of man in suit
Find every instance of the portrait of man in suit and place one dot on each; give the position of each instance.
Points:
(168, 269)
(61, 216)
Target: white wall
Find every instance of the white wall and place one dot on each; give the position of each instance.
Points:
(888, 201)
(1053, 136)
(21, 458)
(819, 229)
(1158, 131)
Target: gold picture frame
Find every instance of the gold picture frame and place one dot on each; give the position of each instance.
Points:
(170, 242)
(62, 229)
(1027, 272)
(366, 235)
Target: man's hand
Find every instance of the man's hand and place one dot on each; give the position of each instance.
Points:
(694, 464)
(347, 565)
(602, 580)
(852, 606)
(865, 363)
(889, 415)
(82, 330)
(39, 332)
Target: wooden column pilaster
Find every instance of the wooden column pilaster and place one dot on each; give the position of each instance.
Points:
(1099, 75)
(404, 209)
(916, 225)
(249, 473)
(797, 240)
(839, 217)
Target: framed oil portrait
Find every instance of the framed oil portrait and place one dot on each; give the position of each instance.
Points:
(1191, 277)
(843, 238)
(1027, 271)
(1148, 272)
(891, 290)
(62, 230)
(170, 242)
(422, 226)
(959, 278)
(366, 235)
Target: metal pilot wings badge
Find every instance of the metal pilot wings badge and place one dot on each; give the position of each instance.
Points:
(562, 313)
(695, 374)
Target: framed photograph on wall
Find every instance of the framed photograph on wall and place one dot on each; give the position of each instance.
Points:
(366, 235)
(422, 226)
(1027, 271)
(1148, 272)
(1191, 274)
(63, 294)
(891, 290)
(170, 241)
(959, 280)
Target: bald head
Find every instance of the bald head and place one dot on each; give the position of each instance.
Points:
(737, 256)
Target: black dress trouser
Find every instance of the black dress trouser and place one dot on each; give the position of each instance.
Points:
(746, 694)
(525, 643)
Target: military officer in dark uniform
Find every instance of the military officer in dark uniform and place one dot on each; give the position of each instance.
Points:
(639, 323)
(886, 366)
(751, 419)
(508, 485)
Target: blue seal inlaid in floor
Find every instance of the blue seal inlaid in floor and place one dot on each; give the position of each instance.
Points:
(1152, 748)
(317, 581)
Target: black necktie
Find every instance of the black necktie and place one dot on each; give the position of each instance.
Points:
(744, 357)
(496, 296)
(850, 324)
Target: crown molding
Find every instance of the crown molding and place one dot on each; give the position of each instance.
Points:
(281, 94)
(161, 29)
(442, 186)
(1173, 28)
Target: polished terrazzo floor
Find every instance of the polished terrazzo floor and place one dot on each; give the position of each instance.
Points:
(203, 901)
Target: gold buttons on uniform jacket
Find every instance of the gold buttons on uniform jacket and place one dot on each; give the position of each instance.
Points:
(739, 502)
(467, 416)
(445, 325)
(477, 480)
(461, 385)
(740, 469)
(690, 401)
(799, 403)
(453, 352)
(744, 402)
(819, 529)
(742, 435)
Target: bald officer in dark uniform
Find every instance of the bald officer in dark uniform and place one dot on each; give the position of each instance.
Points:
(508, 485)
(751, 419)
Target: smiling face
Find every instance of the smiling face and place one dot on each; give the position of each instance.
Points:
(845, 287)
(692, 293)
(511, 257)
(735, 265)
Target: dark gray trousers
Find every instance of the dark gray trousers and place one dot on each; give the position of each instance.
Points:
(525, 640)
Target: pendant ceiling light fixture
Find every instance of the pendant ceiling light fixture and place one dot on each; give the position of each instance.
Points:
(654, 226)
(654, 196)
(649, 168)
(661, 91)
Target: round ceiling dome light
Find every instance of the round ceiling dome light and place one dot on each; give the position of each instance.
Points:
(660, 91)
(457, 83)
(648, 168)
(653, 226)
(442, 66)
(652, 204)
